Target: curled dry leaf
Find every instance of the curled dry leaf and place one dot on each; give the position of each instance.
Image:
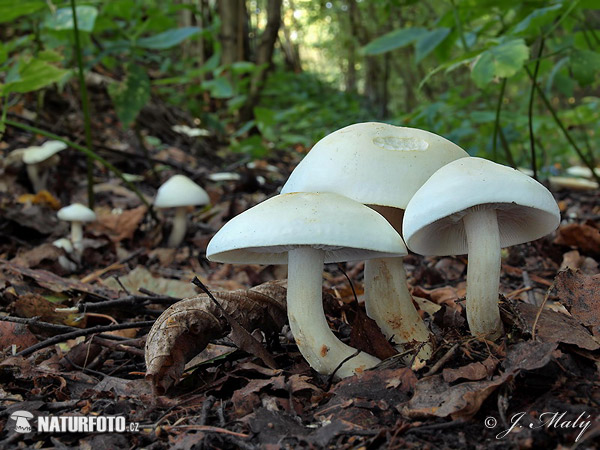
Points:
(186, 327)
(585, 237)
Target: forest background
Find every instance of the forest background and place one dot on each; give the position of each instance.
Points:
(513, 81)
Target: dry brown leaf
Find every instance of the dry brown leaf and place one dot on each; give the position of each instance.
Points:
(118, 226)
(553, 326)
(365, 335)
(141, 277)
(580, 294)
(186, 327)
(474, 371)
(16, 334)
(33, 257)
(435, 397)
(585, 237)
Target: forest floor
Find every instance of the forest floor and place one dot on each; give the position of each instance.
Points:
(65, 351)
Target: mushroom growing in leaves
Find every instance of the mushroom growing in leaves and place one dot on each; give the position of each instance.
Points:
(179, 192)
(305, 230)
(476, 206)
(382, 166)
(76, 214)
(38, 159)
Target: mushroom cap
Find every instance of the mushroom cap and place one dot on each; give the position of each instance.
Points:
(35, 155)
(24, 414)
(526, 210)
(346, 230)
(179, 190)
(76, 213)
(373, 163)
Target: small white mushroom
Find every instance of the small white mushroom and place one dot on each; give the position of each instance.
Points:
(63, 260)
(305, 230)
(476, 206)
(40, 158)
(77, 214)
(179, 192)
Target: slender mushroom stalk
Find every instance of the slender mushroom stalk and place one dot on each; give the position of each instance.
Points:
(317, 343)
(387, 299)
(389, 303)
(77, 234)
(179, 227)
(483, 274)
(38, 183)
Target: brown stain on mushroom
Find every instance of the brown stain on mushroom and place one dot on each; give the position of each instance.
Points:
(324, 351)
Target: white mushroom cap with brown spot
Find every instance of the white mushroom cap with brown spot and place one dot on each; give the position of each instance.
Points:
(373, 163)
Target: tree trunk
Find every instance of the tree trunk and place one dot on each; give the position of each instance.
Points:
(233, 36)
(264, 56)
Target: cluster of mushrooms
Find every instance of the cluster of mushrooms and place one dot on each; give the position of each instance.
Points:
(353, 197)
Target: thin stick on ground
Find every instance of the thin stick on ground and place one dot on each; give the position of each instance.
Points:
(86, 332)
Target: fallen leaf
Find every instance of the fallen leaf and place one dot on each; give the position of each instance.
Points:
(33, 257)
(553, 326)
(580, 294)
(141, 277)
(118, 225)
(435, 397)
(16, 334)
(365, 335)
(185, 328)
(474, 371)
(585, 237)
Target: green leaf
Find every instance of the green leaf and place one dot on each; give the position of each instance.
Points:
(393, 40)
(219, 87)
(533, 23)
(429, 41)
(33, 75)
(11, 9)
(502, 61)
(131, 95)
(168, 38)
(265, 121)
(252, 146)
(585, 65)
(63, 19)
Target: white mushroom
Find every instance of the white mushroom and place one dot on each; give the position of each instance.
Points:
(64, 261)
(382, 166)
(179, 192)
(475, 206)
(39, 158)
(76, 214)
(305, 230)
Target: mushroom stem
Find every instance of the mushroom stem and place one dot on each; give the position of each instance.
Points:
(389, 303)
(483, 273)
(317, 343)
(38, 183)
(77, 235)
(179, 227)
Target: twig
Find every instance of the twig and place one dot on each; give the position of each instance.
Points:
(530, 110)
(35, 322)
(539, 313)
(443, 360)
(131, 300)
(339, 366)
(86, 332)
(118, 346)
(207, 428)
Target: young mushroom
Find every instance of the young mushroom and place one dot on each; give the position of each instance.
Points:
(179, 192)
(476, 206)
(40, 158)
(306, 230)
(76, 214)
(381, 166)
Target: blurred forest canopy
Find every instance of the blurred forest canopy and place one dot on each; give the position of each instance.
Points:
(505, 79)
